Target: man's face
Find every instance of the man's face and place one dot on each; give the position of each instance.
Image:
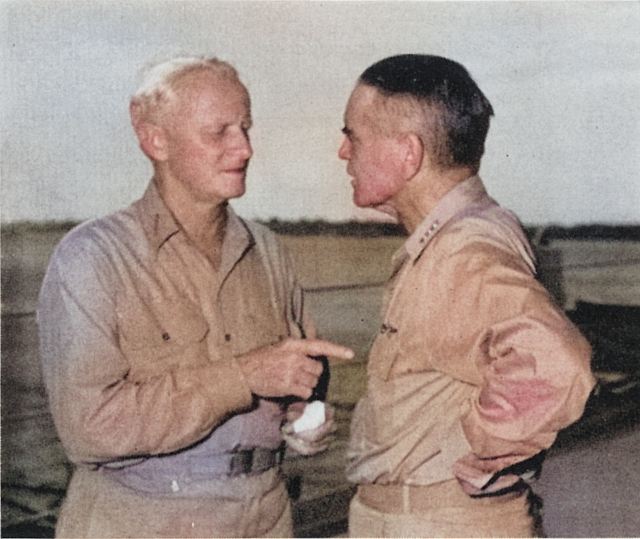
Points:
(373, 157)
(208, 148)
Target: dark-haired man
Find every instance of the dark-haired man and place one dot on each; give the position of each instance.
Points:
(475, 369)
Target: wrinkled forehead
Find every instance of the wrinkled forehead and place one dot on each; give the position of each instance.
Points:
(190, 86)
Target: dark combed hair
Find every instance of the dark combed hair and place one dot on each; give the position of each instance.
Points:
(462, 112)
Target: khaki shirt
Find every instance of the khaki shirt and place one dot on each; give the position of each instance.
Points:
(472, 356)
(139, 335)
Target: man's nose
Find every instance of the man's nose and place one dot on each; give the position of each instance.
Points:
(345, 150)
(242, 144)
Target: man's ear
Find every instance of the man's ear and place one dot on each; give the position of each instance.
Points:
(152, 138)
(413, 154)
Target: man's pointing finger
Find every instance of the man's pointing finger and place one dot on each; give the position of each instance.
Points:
(317, 347)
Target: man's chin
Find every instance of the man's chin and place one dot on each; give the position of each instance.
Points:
(237, 190)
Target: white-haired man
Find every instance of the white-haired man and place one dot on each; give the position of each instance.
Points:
(173, 335)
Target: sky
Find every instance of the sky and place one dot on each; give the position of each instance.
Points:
(563, 78)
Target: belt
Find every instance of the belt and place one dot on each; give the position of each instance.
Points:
(254, 461)
(151, 477)
(403, 499)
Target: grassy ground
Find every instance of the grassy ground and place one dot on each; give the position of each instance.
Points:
(324, 261)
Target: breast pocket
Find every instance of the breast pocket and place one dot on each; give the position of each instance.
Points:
(159, 335)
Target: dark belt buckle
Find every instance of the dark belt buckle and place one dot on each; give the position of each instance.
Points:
(241, 462)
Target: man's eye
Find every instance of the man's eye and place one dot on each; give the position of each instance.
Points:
(212, 134)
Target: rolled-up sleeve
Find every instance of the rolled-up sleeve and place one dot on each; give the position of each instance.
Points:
(530, 365)
(101, 413)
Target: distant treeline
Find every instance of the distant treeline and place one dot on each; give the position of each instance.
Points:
(325, 228)
(34, 227)
(540, 235)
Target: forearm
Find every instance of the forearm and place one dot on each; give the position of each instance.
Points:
(99, 423)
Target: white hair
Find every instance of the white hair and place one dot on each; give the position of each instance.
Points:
(160, 81)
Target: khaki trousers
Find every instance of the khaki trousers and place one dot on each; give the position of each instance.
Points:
(97, 506)
(441, 510)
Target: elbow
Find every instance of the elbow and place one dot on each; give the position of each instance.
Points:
(87, 446)
(581, 379)
(91, 437)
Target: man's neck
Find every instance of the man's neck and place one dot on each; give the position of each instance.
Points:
(423, 193)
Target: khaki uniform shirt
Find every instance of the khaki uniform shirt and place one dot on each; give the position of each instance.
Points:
(139, 335)
(473, 356)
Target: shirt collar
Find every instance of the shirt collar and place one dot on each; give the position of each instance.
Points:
(237, 241)
(159, 225)
(157, 220)
(469, 191)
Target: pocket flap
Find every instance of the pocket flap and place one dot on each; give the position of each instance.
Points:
(161, 322)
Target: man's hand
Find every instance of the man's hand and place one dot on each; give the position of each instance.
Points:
(287, 368)
(312, 441)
